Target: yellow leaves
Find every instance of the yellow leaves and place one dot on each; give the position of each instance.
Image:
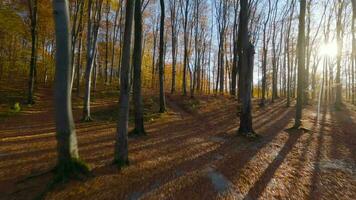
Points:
(10, 21)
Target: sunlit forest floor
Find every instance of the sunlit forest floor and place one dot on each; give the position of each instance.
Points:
(191, 152)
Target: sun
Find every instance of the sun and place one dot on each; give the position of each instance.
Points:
(328, 49)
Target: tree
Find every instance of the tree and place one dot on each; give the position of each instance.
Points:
(340, 6)
(301, 64)
(121, 146)
(246, 55)
(288, 51)
(185, 10)
(264, 60)
(69, 165)
(174, 24)
(32, 6)
(235, 56)
(353, 59)
(162, 100)
(137, 61)
(94, 19)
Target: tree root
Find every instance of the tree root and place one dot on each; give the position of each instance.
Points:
(74, 169)
(137, 133)
(87, 119)
(121, 163)
(253, 136)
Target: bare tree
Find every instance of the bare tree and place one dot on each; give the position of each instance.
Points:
(246, 58)
(69, 165)
(32, 6)
(162, 100)
(265, 50)
(94, 19)
(353, 59)
(340, 5)
(174, 29)
(137, 62)
(121, 146)
(301, 64)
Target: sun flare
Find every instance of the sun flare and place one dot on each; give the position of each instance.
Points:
(328, 49)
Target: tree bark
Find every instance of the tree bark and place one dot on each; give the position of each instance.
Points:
(32, 4)
(137, 62)
(246, 57)
(338, 99)
(162, 100)
(301, 64)
(121, 146)
(68, 165)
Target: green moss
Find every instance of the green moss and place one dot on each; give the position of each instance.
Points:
(63, 172)
(73, 169)
(16, 107)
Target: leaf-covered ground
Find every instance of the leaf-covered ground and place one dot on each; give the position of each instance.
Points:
(191, 152)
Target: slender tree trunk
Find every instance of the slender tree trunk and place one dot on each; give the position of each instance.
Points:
(338, 99)
(121, 146)
(107, 43)
(173, 11)
(353, 58)
(68, 165)
(32, 4)
(301, 64)
(137, 62)
(162, 100)
(91, 52)
(78, 65)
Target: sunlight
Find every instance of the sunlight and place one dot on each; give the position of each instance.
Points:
(328, 49)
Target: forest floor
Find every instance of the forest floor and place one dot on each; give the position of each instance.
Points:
(191, 152)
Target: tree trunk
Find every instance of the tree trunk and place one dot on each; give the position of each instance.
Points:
(137, 62)
(162, 100)
(301, 64)
(121, 146)
(174, 43)
(92, 35)
(338, 99)
(246, 54)
(353, 58)
(31, 83)
(68, 165)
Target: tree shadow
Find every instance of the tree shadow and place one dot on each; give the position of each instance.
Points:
(260, 185)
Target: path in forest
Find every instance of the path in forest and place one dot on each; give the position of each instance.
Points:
(189, 155)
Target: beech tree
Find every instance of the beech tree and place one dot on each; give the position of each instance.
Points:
(32, 6)
(93, 23)
(162, 100)
(301, 64)
(121, 147)
(69, 165)
(246, 56)
(353, 57)
(137, 62)
(340, 5)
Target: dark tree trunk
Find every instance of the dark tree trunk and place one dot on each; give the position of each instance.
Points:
(174, 21)
(162, 100)
(121, 146)
(137, 61)
(32, 4)
(246, 55)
